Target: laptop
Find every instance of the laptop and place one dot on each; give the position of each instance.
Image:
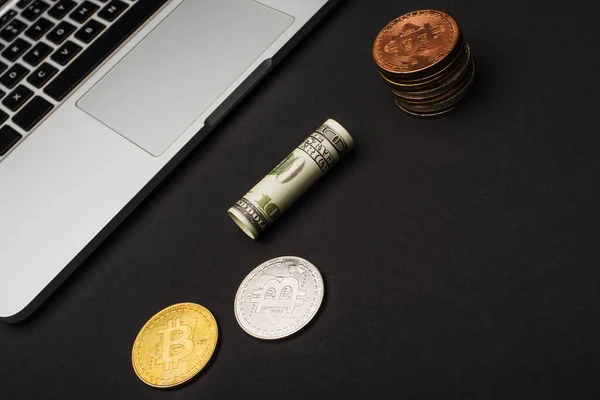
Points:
(99, 100)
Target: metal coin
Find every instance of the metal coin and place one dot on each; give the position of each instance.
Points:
(439, 86)
(416, 84)
(425, 113)
(416, 44)
(279, 297)
(443, 102)
(441, 107)
(174, 345)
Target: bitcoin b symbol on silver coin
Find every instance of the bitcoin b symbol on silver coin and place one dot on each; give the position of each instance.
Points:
(275, 294)
(279, 297)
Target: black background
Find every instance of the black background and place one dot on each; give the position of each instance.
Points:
(460, 254)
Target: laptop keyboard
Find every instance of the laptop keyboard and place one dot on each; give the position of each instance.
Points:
(48, 47)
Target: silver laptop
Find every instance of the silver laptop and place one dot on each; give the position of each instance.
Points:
(99, 100)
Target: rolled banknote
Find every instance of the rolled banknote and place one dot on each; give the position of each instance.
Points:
(315, 156)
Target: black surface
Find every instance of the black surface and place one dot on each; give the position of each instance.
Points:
(460, 254)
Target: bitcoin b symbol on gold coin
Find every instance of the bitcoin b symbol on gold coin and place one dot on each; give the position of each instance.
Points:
(176, 344)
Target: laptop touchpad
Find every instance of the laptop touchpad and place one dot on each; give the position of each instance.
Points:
(168, 80)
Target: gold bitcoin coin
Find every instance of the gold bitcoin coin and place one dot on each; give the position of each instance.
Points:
(174, 345)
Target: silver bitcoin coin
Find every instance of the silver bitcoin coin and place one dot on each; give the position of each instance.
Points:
(279, 297)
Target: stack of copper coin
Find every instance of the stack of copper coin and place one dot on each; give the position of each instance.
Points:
(425, 61)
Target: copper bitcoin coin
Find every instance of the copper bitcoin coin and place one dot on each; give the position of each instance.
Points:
(416, 43)
(434, 80)
(442, 104)
(441, 87)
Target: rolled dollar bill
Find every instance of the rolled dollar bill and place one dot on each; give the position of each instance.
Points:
(315, 156)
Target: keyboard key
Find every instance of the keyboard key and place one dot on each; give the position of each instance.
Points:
(14, 51)
(37, 54)
(32, 113)
(2, 67)
(83, 12)
(37, 30)
(8, 138)
(35, 10)
(89, 31)
(60, 33)
(2, 94)
(42, 75)
(23, 3)
(10, 14)
(10, 31)
(112, 10)
(3, 117)
(61, 9)
(17, 98)
(66, 53)
(14, 76)
(101, 48)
